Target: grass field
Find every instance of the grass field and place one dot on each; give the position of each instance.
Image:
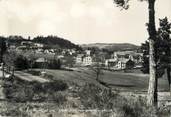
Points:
(46, 100)
(118, 80)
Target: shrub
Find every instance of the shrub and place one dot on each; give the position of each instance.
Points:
(57, 85)
(21, 62)
(94, 97)
(54, 64)
(22, 91)
(33, 72)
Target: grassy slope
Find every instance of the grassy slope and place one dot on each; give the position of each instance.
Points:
(80, 76)
(119, 80)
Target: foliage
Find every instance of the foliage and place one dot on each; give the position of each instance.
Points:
(3, 48)
(49, 42)
(122, 3)
(54, 64)
(15, 40)
(68, 61)
(97, 68)
(34, 72)
(31, 59)
(162, 46)
(21, 62)
(9, 58)
(54, 40)
(94, 97)
(22, 91)
(130, 64)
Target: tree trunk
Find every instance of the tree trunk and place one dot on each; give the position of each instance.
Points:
(168, 68)
(152, 89)
(1, 54)
(168, 77)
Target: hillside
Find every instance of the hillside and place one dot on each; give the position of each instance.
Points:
(50, 41)
(112, 46)
(55, 41)
(136, 81)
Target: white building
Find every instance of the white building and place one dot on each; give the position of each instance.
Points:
(79, 59)
(88, 52)
(122, 64)
(87, 60)
(39, 45)
(119, 59)
(84, 60)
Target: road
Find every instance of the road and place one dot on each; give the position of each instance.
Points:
(27, 77)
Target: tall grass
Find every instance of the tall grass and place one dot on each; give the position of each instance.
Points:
(106, 102)
(93, 97)
(23, 91)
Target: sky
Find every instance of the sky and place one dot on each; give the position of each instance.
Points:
(80, 21)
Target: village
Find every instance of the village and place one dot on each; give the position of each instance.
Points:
(85, 58)
(116, 60)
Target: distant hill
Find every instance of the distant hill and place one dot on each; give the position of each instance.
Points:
(50, 41)
(111, 46)
(55, 41)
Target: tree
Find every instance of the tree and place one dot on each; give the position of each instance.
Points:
(21, 62)
(32, 58)
(164, 32)
(10, 57)
(162, 48)
(145, 58)
(97, 69)
(152, 89)
(130, 64)
(54, 64)
(3, 48)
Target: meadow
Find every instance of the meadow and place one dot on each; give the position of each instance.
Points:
(76, 93)
(134, 81)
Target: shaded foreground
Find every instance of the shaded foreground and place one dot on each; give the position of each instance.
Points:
(67, 99)
(76, 94)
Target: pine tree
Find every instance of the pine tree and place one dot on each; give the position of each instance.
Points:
(152, 90)
(3, 48)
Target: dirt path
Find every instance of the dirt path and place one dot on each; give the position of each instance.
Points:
(29, 77)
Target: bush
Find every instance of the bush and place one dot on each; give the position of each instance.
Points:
(22, 91)
(33, 72)
(94, 97)
(54, 64)
(21, 63)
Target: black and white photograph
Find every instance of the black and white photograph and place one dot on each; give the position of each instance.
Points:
(85, 58)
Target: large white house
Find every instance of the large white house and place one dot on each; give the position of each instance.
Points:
(87, 61)
(119, 59)
(84, 59)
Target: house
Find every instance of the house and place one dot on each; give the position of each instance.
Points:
(111, 63)
(41, 63)
(131, 55)
(79, 59)
(84, 60)
(116, 64)
(38, 45)
(88, 52)
(26, 43)
(87, 61)
(119, 59)
(122, 63)
(60, 56)
(12, 47)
